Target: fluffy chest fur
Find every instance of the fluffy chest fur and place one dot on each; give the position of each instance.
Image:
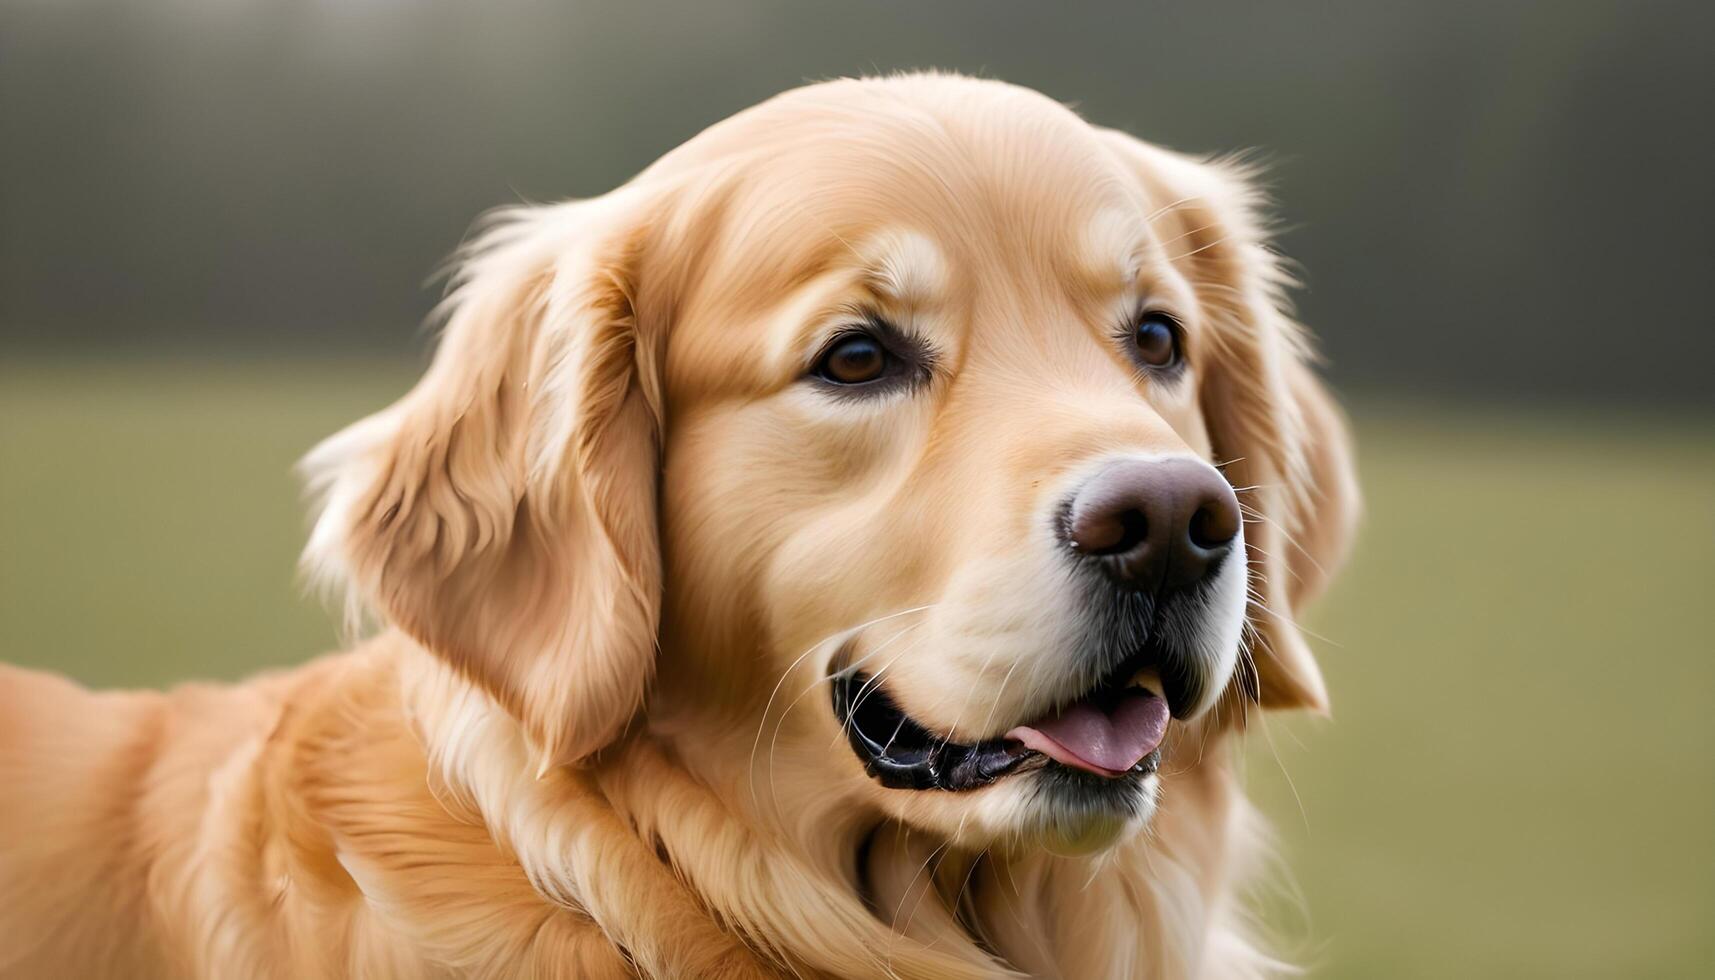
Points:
(372, 815)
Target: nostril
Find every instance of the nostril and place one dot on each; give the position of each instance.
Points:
(1213, 525)
(1133, 528)
(1107, 531)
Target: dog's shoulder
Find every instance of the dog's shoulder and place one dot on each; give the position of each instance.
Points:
(115, 806)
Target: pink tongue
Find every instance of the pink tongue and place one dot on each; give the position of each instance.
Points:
(1106, 743)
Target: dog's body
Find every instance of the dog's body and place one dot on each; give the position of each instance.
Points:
(292, 827)
(622, 565)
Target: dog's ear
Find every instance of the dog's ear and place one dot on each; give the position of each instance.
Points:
(1303, 531)
(1276, 432)
(503, 513)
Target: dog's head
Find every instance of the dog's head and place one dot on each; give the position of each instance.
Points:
(910, 436)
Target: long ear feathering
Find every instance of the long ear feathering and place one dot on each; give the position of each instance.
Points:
(338, 469)
(502, 513)
(332, 473)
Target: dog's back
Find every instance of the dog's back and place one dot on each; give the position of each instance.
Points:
(101, 800)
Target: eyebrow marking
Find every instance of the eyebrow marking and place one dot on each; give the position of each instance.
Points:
(1114, 245)
(906, 267)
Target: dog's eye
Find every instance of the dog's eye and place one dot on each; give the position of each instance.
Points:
(872, 357)
(855, 360)
(1157, 339)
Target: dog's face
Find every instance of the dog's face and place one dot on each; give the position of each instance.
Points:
(949, 401)
(935, 437)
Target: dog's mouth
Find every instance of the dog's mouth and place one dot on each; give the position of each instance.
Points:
(1113, 732)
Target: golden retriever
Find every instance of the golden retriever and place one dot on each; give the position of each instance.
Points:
(821, 556)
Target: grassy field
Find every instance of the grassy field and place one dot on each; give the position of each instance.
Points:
(1519, 780)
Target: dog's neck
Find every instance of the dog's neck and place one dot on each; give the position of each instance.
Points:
(822, 884)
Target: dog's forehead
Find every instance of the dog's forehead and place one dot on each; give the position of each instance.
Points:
(981, 205)
(918, 191)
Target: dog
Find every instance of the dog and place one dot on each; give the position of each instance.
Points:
(853, 547)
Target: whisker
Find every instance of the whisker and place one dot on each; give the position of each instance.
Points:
(1188, 234)
(1201, 248)
(1165, 208)
(756, 744)
(999, 694)
(1262, 518)
(1284, 565)
(780, 723)
(1288, 620)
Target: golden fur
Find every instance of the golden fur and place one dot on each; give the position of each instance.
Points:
(610, 540)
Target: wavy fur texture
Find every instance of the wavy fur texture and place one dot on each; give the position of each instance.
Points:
(616, 544)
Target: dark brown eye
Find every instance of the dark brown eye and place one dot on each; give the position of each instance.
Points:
(1157, 340)
(856, 360)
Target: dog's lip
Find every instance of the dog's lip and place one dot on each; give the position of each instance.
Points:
(902, 754)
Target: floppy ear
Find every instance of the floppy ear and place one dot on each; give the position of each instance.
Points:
(1301, 533)
(1276, 431)
(503, 512)
(1323, 512)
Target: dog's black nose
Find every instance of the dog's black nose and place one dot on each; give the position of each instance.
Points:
(1155, 525)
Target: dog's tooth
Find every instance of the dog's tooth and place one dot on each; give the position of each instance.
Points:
(1149, 680)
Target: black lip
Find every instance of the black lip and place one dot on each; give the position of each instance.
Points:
(901, 754)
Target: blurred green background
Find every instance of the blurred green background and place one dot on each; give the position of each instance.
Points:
(216, 220)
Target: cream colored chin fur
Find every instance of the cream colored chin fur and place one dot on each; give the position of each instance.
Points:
(588, 739)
